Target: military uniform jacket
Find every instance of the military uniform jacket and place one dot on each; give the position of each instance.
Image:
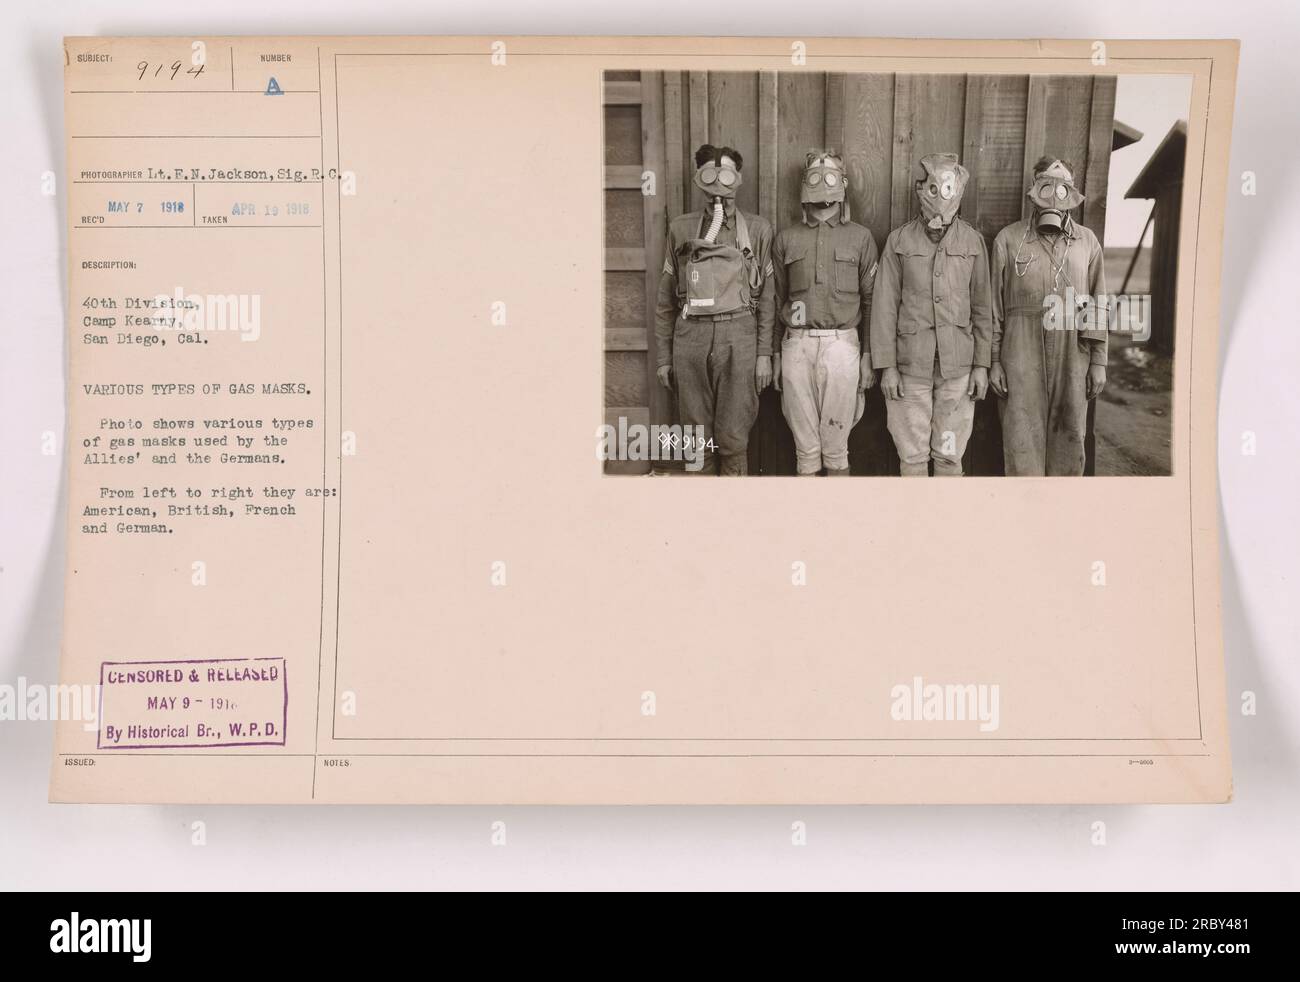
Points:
(932, 298)
(681, 231)
(824, 275)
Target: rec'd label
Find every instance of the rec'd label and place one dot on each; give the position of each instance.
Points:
(220, 702)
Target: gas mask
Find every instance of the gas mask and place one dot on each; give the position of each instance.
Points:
(1053, 195)
(824, 181)
(717, 180)
(940, 183)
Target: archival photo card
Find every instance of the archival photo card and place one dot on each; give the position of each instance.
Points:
(397, 366)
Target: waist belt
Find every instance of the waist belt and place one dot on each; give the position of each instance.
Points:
(717, 317)
(822, 332)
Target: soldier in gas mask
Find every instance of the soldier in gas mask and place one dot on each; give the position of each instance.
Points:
(824, 269)
(713, 318)
(930, 324)
(1049, 328)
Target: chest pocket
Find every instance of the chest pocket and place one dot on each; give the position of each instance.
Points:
(916, 309)
(959, 265)
(846, 270)
(798, 272)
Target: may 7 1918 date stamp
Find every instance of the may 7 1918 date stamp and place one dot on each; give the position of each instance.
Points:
(220, 702)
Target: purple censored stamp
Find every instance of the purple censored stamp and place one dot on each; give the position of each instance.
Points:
(214, 702)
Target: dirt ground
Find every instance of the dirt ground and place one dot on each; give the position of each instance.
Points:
(1134, 422)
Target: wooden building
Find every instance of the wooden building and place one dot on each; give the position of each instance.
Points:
(881, 124)
(1161, 180)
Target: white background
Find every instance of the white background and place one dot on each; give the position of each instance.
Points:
(1251, 843)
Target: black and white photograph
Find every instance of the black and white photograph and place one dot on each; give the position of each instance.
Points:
(837, 274)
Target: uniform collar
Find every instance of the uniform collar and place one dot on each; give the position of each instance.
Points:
(811, 222)
(917, 229)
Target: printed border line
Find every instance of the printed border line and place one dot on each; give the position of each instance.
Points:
(777, 739)
(622, 756)
(338, 562)
(324, 400)
(1209, 61)
(1191, 404)
(1191, 59)
(189, 92)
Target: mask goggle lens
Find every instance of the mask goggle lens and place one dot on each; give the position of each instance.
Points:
(816, 177)
(720, 175)
(1051, 192)
(944, 187)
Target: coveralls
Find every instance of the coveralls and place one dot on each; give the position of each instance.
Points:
(1045, 413)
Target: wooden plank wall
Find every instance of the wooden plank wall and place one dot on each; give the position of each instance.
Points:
(1164, 266)
(882, 123)
(633, 145)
